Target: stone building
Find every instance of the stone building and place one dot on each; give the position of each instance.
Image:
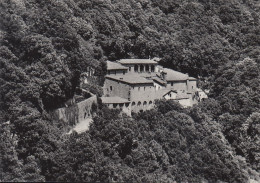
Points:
(139, 65)
(117, 103)
(141, 81)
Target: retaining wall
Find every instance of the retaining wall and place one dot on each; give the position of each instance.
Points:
(75, 113)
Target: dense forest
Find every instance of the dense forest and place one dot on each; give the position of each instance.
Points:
(46, 45)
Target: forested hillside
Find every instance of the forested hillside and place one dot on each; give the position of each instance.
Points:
(46, 45)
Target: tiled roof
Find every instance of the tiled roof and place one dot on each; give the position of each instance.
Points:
(131, 79)
(137, 61)
(115, 66)
(192, 78)
(114, 100)
(173, 75)
(182, 96)
(159, 80)
(162, 92)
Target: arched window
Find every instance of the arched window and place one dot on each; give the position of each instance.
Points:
(114, 105)
(147, 68)
(145, 103)
(127, 104)
(152, 68)
(150, 102)
(136, 68)
(141, 68)
(139, 103)
(133, 103)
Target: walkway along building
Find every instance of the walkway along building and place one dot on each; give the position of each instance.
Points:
(134, 84)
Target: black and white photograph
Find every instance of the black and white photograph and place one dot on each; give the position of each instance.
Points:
(141, 91)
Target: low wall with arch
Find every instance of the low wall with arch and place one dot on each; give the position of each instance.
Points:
(137, 106)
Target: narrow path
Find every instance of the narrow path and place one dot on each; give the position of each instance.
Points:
(82, 126)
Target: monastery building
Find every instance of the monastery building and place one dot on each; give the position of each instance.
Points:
(134, 84)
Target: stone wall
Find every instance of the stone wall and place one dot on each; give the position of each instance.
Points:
(177, 85)
(76, 112)
(143, 92)
(116, 72)
(118, 89)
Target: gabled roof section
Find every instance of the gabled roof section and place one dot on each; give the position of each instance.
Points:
(137, 61)
(182, 96)
(159, 80)
(114, 100)
(115, 66)
(131, 79)
(173, 75)
(163, 92)
(192, 79)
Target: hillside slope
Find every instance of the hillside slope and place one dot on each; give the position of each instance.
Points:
(46, 45)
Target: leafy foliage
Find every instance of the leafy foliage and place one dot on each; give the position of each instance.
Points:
(45, 46)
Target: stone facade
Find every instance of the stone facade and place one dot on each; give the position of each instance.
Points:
(75, 112)
(144, 82)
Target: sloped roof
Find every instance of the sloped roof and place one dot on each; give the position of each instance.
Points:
(162, 92)
(137, 61)
(115, 66)
(182, 96)
(159, 80)
(114, 100)
(192, 78)
(131, 79)
(173, 75)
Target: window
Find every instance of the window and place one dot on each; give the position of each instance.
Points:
(170, 95)
(127, 104)
(133, 103)
(129, 68)
(114, 105)
(192, 87)
(124, 72)
(171, 83)
(139, 103)
(144, 88)
(108, 72)
(147, 68)
(136, 68)
(145, 103)
(152, 68)
(111, 88)
(121, 105)
(150, 102)
(138, 88)
(141, 68)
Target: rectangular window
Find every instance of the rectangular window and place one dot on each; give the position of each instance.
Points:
(144, 88)
(124, 72)
(171, 83)
(111, 88)
(129, 68)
